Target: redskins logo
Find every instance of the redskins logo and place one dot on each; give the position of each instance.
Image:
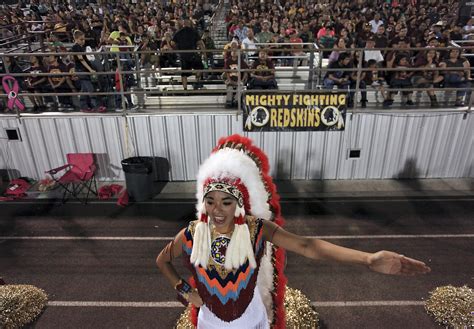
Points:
(259, 117)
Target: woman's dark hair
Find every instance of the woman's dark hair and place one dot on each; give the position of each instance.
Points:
(343, 56)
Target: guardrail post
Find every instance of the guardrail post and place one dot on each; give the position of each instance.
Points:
(239, 81)
(119, 69)
(137, 69)
(359, 73)
(311, 68)
(320, 65)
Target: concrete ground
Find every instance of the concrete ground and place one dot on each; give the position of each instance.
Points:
(96, 261)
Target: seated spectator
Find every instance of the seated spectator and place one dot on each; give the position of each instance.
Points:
(232, 78)
(168, 59)
(468, 28)
(239, 31)
(427, 79)
(59, 83)
(457, 78)
(297, 46)
(306, 34)
(36, 84)
(344, 79)
(327, 30)
(210, 45)
(263, 73)
(380, 38)
(265, 36)
(340, 79)
(400, 80)
(228, 48)
(249, 44)
(375, 23)
(338, 48)
(375, 79)
(372, 54)
(327, 40)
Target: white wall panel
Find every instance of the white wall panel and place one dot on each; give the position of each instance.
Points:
(423, 145)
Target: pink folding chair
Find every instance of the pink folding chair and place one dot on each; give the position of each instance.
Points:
(78, 174)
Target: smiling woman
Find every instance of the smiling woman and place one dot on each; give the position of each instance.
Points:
(234, 249)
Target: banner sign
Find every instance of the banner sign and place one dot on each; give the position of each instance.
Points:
(316, 111)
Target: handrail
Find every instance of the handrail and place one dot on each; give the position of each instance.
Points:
(105, 50)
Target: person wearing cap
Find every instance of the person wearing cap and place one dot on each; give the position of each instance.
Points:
(437, 29)
(265, 35)
(369, 53)
(234, 249)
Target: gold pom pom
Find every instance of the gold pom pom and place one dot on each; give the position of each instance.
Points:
(452, 306)
(184, 321)
(20, 305)
(299, 312)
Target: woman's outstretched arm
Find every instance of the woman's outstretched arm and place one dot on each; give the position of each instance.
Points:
(386, 262)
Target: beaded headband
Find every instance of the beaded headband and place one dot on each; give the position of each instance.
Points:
(225, 188)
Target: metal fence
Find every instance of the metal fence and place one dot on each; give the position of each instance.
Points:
(117, 66)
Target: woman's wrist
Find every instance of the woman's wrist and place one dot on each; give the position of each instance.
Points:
(183, 288)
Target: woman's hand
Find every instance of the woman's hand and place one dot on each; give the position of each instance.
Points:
(195, 299)
(388, 262)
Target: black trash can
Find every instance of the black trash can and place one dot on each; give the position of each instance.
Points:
(139, 177)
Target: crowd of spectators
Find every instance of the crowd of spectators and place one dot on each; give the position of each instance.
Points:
(341, 26)
(336, 26)
(119, 26)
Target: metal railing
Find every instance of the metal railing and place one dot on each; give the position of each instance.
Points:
(128, 63)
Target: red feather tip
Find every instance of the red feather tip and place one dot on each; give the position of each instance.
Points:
(239, 220)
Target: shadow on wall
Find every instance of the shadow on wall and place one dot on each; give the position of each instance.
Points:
(106, 170)
(161, 173)
(409, 170)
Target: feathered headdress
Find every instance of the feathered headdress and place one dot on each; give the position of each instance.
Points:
(239, 168)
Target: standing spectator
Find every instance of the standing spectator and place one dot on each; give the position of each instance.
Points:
(83, 65)
(232, 77)
(168, 59)
(188, 38)
(263, 73)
